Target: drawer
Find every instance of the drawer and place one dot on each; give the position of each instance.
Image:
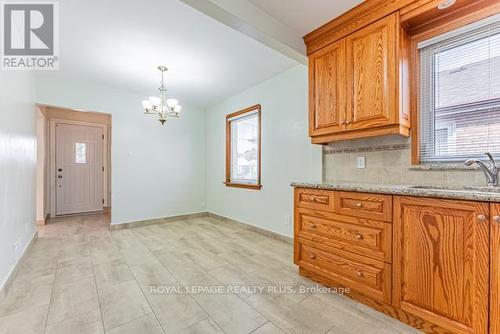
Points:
(369, 277)
(372, 206)
(315, 199)
(358, 235)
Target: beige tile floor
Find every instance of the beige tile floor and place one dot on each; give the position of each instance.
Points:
(80, 278)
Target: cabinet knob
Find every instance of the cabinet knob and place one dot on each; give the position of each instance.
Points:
(481, 218)
(359, 236)
(359, 273)
(496, 219)
(359, 205)
(313, 225)
(312, 256)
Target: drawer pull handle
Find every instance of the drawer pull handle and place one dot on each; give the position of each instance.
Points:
(312, 256)
(318, 200)
(359, 205)
(496, 219)
(359, 236)
(481, 218)
(359, 273)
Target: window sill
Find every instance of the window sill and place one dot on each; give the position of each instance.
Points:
(243, 185)
(443, 166)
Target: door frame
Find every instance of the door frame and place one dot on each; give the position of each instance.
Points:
(52, 149)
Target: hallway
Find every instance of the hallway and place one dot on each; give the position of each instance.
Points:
(79, 277)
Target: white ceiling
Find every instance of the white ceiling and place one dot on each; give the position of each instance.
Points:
(120, 43)
(304, 16)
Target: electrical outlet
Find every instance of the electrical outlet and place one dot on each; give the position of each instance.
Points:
(360, 162)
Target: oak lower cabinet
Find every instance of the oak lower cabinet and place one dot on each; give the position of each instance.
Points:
(441, 262)
(432, 263)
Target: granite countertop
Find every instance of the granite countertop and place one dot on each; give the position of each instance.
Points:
(481, 194)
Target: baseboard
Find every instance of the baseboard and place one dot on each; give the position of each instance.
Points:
(249, 227)
(253, 228)
(141, 223)
(43, 221)
(4, 290)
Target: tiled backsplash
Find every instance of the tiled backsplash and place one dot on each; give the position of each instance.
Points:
(388, 161)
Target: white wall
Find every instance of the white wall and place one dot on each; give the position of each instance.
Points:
(287, 154)
(41, 189)
(156, 171)
(17, 167)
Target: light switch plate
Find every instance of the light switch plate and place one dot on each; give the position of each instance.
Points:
(360, 162)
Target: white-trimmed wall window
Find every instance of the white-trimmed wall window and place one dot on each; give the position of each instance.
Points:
(459, 98)
(243, 148)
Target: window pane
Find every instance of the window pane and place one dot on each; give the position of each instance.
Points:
(460, 96)
(463, 73)
(244, 146)
(81, 153)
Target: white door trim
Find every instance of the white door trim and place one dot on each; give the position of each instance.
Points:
(52, 152)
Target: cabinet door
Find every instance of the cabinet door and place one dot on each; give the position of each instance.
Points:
(372, 75)
(495, 270)
(441, 262)
(327, 90)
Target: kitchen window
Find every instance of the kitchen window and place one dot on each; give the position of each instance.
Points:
(459, 98)
(243, 148)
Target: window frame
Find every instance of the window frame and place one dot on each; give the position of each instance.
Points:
(241, 113)
(445, 25)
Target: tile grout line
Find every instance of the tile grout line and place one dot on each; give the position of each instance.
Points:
(97, 292)
(208, 273)
(140, 287)
(53, 284)
(194, 299)
(260, 326)
(259, 312)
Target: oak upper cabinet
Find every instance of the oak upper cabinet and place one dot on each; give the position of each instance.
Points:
(358, 84)
(441, 261)
(327, 96)
(371, 75)
(495, 270)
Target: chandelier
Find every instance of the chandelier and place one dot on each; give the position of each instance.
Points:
(162, 106)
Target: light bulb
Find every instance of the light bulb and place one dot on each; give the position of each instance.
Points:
(172, 103)
(178, 108)
(155, 101)
(146, 104)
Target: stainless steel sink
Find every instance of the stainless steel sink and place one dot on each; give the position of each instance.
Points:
(459, 188)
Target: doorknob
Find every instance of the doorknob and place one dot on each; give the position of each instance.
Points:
(59, 176)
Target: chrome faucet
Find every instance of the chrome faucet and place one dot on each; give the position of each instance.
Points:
(490, 170)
